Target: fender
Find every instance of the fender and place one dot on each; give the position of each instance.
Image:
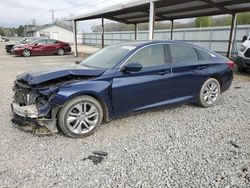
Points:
(101, 90)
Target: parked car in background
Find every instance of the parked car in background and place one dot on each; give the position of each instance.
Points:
(25, 40)
(3, 39)
(243, 58)
(117, 80)
(42, 47)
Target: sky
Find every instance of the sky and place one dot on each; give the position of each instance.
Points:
(20, 12)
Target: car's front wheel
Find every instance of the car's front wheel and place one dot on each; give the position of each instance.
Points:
(60, 51)
(26, 53)
(80, 117)
(209, 93)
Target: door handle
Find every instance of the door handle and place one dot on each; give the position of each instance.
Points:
(163, 72)
(201, 67)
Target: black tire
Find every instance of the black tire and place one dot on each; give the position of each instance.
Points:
(241, 69)
(201, 98)
(64, 114)
(26, 53)
(60, 51)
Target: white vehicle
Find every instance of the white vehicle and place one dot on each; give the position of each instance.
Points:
(243, 59)
(1, 39)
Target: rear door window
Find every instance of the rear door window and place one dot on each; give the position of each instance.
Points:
(40, 42)
(51, 41)
(183, 54)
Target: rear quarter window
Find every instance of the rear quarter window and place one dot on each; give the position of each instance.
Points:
(204, 55)
(181, 53)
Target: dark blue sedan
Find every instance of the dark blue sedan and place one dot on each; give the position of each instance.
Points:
(117, 80)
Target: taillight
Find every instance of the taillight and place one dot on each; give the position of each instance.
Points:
(230, 64)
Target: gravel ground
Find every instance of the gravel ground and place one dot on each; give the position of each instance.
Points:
(185, 146)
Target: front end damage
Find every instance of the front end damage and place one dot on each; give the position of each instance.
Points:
(32, 109)
(34, 104)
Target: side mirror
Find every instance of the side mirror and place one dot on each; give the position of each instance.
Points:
(78, 62)
(132, 67)
(244, 38)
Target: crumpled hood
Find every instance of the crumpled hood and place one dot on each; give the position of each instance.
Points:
(38, 77)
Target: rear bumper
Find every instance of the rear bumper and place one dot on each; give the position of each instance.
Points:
(227, 81)
(243, 62)
(226, 86)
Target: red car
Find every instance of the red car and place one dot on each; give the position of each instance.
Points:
(42, 47)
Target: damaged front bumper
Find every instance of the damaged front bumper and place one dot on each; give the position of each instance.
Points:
(27, 118)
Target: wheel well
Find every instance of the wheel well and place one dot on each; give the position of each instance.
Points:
(104, 107)
(27, 49)
(218, 78)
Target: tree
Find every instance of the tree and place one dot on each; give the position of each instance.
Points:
(1, 32)
(142, 27)
(64, 22)
(20, 31)
(243, 18)
(222, 20)
(205, 21)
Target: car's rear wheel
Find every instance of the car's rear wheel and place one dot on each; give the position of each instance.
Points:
(209, 93)
(60, 51)
(80, 117)
(26, 53)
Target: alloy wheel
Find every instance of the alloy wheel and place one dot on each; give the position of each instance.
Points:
(211, 92)
(60, 51)
(82, 118)
(26, 53)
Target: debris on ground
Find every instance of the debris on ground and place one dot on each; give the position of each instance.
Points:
(97, 158)
(237, 87)
(234, 144)
(102, 153)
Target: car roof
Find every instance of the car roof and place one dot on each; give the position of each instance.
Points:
(139, 44)
(35, 38)
(147, 42)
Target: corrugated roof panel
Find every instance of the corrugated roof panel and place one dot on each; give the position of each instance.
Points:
(136, 11)
(191, 12)
(244, 5)
(220, 1)
(131, 14)
(142, 19)
(180, 6)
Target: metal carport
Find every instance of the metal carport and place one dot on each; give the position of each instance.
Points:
(141, 11)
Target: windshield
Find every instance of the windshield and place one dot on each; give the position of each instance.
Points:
(107, 57)
(27, 40)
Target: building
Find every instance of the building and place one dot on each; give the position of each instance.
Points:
(53, 31)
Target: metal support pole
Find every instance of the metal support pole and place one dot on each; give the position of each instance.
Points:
(102, 32)
(75, 38)
(136, 29)
(151, 21)
(231, 35)
(172, 28)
